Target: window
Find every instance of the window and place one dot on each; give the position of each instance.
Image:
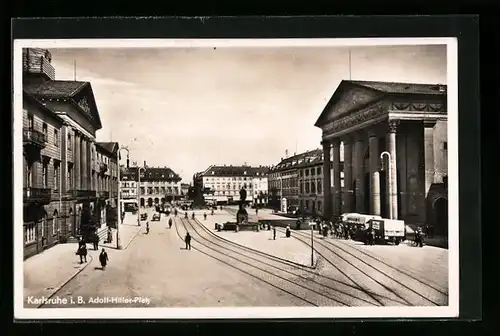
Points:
(45, 180)
(56, 137)
(56, 175)
(45, 130)
(319, 186)
(29, 233)
(318, 172)
(29, 180)
(69, 141)
(55, 223)
(70, 178)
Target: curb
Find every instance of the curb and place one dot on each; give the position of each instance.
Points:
(133, 237)
(67, 281)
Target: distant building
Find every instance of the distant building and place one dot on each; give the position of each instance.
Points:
(222, 184)
(158, 185)
(184, 189)
(128, 187)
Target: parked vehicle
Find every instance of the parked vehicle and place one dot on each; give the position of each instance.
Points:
(357, 224)
(388, 230)
(156, 217)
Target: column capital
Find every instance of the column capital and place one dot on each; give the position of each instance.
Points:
(372, 133)
(393, 126)
(325, 143)
(429, 123)
(358, 136)
(346, 140)
(335, 142)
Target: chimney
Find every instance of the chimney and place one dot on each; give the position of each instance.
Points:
(286, 153)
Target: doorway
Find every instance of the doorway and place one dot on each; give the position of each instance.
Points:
(441, 216)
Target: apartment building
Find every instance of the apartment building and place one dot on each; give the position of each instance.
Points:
(60, 120)
(105, 179)
(260, 185)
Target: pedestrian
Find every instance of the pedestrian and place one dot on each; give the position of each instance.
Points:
(187, 240)
(274, 232)
(82, 252)
(287, 232)
(170, 223)
(192, 215)
(205, 215)
(212, 211)
(103, 259)
(186, 215)
(110, 235)
(256, 211)
(147, 227)
(175, 212)
(95, 241)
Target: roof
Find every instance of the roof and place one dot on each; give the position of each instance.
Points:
(155, 174)
(300, 160)
(226, 171)
(42, 106)
(384, 88)
(398, 87)
(66, 90)
(57, 88)
(109, 147)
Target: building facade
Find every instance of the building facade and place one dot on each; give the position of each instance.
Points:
(394, 137)
(105, 177)
(260, 185)
(129, 187)
(157, 185)
(184, 189)
(60, 120)
(222, 184)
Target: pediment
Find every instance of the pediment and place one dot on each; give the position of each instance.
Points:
(347, 98)
(86, 101)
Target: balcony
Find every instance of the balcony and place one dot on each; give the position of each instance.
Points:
(34, 138)
(83, 194)
(103, 194)
(37, 195)
(103, 167)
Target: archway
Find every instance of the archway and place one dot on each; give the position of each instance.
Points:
(157, 200)
(440, 208)
(150, 202)
(142, 202)
(163, 200)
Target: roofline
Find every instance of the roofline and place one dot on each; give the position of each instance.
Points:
(45, 108)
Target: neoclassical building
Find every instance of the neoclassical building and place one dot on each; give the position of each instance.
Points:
(394, 137)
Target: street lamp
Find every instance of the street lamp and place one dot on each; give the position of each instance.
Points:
(389, 181)
(138, 195)
(119, 205)
(311, 225)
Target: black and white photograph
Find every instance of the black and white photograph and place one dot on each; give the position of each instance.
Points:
(233, 178)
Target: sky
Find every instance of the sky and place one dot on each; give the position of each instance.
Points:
(189, 108)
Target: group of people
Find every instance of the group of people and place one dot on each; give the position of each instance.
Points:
(82, 252)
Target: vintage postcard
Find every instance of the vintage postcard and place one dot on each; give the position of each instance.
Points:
(293, 178)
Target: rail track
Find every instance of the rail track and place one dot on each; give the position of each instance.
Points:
(300, 282)
(374, 273)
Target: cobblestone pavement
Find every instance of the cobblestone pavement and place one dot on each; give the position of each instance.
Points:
(156, 267)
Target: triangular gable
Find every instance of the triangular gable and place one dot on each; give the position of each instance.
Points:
(348, 97)
(85, 99)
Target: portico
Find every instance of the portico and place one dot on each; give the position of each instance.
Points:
(408, 123)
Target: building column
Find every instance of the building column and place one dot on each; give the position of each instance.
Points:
(347, 191)
(394, 182)
(358, 167)
(77, 160)
(374, 175)
(84, 163)
(429, 154)
(326, 180)
(337, 188)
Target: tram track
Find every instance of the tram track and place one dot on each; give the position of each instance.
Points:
(374, 274)
(306, 283)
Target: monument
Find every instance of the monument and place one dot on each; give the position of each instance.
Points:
(242, 214)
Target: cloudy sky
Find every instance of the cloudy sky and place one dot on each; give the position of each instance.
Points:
(188, 108)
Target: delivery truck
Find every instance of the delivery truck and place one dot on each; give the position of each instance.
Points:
(388, 230)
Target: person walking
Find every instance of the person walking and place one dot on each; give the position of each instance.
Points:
(192, 215)
(147, 227)
(110, 235)
(187, 240)
(170, 223)
(274, 232)
(103, 259)
(205, 215)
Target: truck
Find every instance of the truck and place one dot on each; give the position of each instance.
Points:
(388, 230)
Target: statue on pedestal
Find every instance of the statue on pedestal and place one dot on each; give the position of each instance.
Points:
(242, 215)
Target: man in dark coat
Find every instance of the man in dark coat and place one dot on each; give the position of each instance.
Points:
(103, 259)
(170, 223)
(187, 240)
(82, 251)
